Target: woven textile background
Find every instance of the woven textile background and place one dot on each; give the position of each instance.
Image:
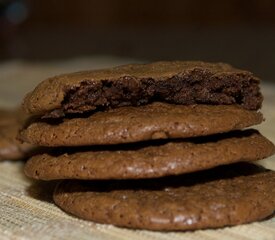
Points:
(26, 207)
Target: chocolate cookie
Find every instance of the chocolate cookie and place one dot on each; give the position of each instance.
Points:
(220, 197)
(133, 85)
(7, 117)
(10, 147)
(132, 124)
(153, 161)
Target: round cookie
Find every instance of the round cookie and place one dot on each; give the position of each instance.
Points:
(217, 198)
(10, 147)
(152, 161)
(7, 117)
(176, 82)
(133, 124)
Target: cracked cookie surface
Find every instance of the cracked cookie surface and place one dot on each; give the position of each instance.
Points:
(134, 124)
(138, 161)
(223, 196)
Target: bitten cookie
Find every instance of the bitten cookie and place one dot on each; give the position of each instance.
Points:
(174, 82)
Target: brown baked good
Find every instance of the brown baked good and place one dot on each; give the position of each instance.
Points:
(173, 82)
(135, 161)
(132, 124)
(223, 196)
(7, 117)
(10, 147)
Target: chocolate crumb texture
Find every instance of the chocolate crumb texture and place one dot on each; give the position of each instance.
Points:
(139, 84)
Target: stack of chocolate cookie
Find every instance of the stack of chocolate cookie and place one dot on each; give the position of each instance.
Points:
(160, 146)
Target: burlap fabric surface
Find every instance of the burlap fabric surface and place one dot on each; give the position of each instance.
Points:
(26, 207)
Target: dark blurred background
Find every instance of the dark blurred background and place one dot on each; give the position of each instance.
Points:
(241, 32)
